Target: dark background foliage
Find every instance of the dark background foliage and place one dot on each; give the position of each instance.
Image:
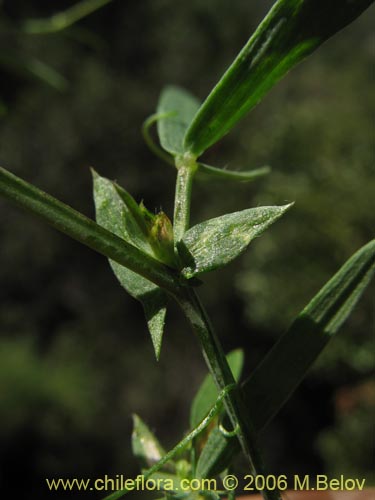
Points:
(75, 357)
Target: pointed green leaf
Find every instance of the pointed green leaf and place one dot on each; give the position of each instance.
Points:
(145, 445)
(86, 231)
(179, 106)
(284, 367)
(117, 210)
(292, 30)
(207, 392)
(216, 242)
(114, 214)
(232, 175)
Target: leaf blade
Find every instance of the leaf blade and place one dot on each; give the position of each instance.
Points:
(215, 243)
(328, 310)
(79, 227)
(309, 334)
(113, 214)
(291, 31)
(179, 108)
(145, 445)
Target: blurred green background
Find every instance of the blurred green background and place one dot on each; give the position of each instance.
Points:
(75, 357)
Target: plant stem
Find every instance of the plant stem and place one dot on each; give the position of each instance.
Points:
(186, 167)
(81, 228)
(223, 377)
(199, 321)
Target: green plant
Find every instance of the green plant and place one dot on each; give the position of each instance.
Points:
(154, 261)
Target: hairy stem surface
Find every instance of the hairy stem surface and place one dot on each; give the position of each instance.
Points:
(186, 168)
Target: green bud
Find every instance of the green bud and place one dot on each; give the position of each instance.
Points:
(161, 239)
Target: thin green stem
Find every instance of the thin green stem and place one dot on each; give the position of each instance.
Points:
(81, 228)
(186, 168)
(223, 377)
(147, 124)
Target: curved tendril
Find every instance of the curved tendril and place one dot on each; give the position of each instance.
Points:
(242, 176)
(147, 124)
(226, 433)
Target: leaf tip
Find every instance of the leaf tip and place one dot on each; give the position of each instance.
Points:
(94, 173)
(136, 420)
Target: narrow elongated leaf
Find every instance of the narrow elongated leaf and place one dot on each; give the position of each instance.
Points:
(145, 445)
(179, 106)
(284, 367)
(113, 214)
(292, 30)
(214, 243)
(207, 393)
(287, 363)
(86, 231)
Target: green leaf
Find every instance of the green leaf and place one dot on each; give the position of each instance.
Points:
(275, 379)
(214, 243)
(145, 446)
(231, 175)
(179, 106)
(292, 30)
(86, 231)
(114, 214)
(207, 392)
(284, 367)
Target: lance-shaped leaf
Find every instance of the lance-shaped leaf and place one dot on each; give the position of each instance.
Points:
(214, 243)
(178, 108)
(114, 214)
(207, 393)
(285, 366)
(292, 30)
(145, 445)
